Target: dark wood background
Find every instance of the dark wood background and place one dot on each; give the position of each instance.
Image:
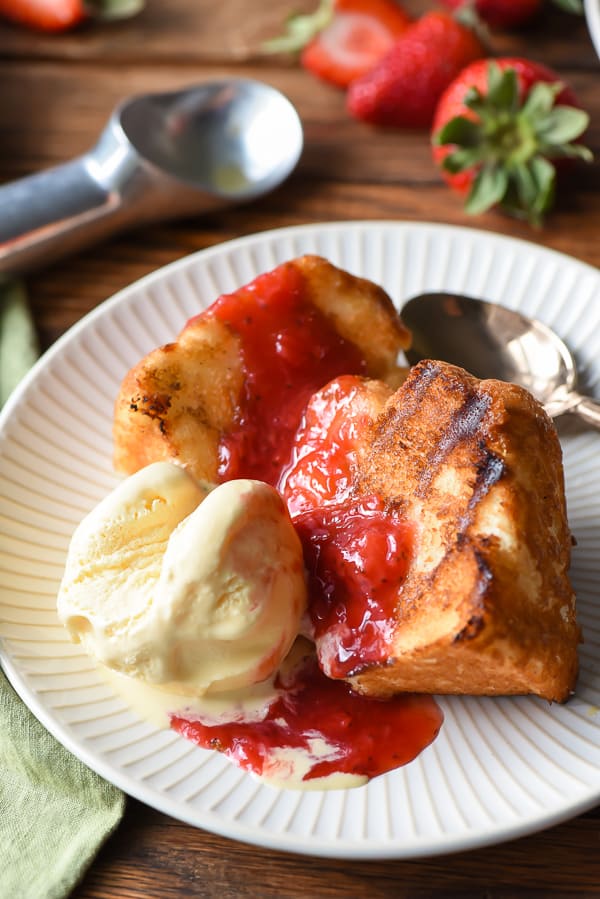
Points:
(56, 92)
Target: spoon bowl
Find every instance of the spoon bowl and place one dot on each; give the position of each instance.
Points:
(492, 341)
(160, 156)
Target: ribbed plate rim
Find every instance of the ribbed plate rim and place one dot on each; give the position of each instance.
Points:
(347, 848)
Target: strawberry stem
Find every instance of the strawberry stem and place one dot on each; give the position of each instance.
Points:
(300, 29)
(113, 9)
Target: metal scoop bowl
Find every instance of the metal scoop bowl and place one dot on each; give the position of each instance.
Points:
(160, 156)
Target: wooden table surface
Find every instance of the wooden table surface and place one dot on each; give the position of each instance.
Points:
(56, 93)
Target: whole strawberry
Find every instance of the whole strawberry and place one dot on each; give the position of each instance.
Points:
(342, 39)
(499, 132)
(402, 90)
(62, 15)
(501, 13)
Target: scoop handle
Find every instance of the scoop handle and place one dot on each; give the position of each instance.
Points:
(588, 410)
(46, 215)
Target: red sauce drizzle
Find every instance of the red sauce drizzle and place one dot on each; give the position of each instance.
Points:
(357, 554)
(368, 736)
(356, 551)
(289, 350)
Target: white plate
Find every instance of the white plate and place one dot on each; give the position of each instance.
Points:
(500, 767)
(592, 15)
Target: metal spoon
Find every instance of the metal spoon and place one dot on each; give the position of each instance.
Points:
(160, 156)
(491, 341)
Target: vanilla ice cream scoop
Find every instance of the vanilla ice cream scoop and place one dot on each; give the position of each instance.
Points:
(184, 586)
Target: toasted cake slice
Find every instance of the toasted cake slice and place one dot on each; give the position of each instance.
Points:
(484, 604)
(487, 607)
(182, 399)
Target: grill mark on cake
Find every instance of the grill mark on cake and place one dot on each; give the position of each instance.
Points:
(415, 387)
(491, 469)
(476, 621)
(462, 428)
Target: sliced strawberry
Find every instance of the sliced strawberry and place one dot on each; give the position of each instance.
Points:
(343, 39)
(360, 33)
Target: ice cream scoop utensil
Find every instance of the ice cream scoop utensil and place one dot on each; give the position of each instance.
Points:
(492, 341)
(160, 156)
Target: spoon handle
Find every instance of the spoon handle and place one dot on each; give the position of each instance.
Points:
(588, 410)
(43, 216)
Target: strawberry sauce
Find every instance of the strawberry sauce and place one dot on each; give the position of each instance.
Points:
(289, 350)
(304, 438)
(332, 729)
(356, 551)
(356, 554)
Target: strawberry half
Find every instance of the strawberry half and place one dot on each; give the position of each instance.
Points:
(500, 130)
(402, 90)
(343, 39)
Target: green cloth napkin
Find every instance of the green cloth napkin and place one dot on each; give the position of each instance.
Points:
(54, 812)
(18, 344)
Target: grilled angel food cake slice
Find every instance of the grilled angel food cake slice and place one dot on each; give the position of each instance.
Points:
(438, 551)
(224, 400)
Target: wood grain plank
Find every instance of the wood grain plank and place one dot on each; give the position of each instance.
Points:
(57, 92)
(201, 31)
(65, 115)
(171, 859)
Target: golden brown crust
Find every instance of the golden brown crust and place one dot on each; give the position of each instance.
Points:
(487, 607)
(178, 401)
(362, 312)
(175, 403)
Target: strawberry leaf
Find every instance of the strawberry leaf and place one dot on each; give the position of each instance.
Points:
(489, 188)
(107, 10)
(300, 30)
(462, 159)
(541, 99)
(575, 151)
(475, 101)
(562, 124)
(525, 187)
(544, 175)
(503, 88)
(531, 191)
(459, 130)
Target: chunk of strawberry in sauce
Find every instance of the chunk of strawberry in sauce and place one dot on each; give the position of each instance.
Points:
(356, 550)
(289, 350)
